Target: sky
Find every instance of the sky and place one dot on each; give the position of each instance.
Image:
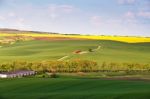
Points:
(95, 17)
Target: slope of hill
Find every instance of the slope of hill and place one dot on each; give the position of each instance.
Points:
(110, 51)
(30, 46)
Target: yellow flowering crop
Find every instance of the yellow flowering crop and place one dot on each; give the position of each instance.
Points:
(129, 39)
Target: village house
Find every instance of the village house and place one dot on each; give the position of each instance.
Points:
(14, 74)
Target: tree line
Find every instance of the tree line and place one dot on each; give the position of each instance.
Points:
(51, 66)
(113, 66)
(72, 66)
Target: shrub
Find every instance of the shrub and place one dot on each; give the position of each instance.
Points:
(54, 75)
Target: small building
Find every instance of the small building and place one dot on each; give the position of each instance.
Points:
(13, 74)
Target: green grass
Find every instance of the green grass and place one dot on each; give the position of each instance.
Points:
(73, 88)
(110, 51)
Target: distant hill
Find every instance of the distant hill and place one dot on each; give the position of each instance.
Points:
(7, 30)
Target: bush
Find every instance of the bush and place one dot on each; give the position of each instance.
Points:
(90, 50)
(54, 75)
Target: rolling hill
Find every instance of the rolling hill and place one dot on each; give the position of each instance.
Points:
(110, 51)
(37, 46)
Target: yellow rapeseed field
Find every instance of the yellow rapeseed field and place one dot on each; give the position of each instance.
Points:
(129, 39)
(117, 38)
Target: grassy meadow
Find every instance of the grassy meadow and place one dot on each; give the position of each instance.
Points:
(110, 51)
(56, 47)
(74, 88)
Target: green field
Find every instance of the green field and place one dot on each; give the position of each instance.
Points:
(90, 87)
(110, 51)
(73, 88)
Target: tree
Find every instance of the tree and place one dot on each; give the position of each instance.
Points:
(90, 50)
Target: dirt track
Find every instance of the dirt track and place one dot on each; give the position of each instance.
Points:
(82, 52)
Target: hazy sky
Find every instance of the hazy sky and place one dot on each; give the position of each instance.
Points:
(100, 17)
